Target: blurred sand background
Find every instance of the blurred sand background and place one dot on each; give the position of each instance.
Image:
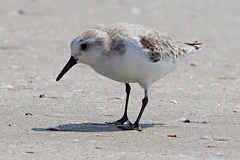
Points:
(34, 47)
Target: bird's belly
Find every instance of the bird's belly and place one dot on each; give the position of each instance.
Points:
(142, 72)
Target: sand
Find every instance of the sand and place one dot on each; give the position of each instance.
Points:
(205, 89)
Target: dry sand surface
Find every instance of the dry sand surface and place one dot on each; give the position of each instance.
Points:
(205, 89)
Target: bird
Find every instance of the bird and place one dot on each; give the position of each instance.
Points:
(128, 53)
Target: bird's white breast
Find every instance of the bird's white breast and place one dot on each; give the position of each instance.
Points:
(134, 66)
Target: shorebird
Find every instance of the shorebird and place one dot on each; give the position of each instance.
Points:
(128, 53)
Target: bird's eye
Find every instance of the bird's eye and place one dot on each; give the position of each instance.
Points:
(84, 46)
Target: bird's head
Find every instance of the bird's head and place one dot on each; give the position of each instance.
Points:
(87, 48)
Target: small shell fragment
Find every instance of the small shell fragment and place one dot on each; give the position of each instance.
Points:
(173, 102)
(184, 120)
(75, 140)
(28, 114)
(221, 77)
(172, 135)
(206, 138)
(42, 96)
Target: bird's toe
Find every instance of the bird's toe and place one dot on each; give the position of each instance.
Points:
(120, 121)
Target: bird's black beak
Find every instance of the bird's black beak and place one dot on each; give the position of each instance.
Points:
(72, 61)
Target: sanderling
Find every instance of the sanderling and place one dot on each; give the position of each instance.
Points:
(128, 53)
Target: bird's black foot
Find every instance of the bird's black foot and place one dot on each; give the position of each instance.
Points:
(130, 127)
(120, 121)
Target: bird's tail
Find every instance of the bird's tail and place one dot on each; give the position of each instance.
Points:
(196, 44)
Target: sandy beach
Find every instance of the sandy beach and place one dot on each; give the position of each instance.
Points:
(204, 90)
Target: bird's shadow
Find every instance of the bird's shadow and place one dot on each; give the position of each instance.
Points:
(90, 127)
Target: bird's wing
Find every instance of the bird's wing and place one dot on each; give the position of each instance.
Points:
(161, 47)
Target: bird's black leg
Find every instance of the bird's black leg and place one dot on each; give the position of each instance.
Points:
(135, 126)
(125, 117)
